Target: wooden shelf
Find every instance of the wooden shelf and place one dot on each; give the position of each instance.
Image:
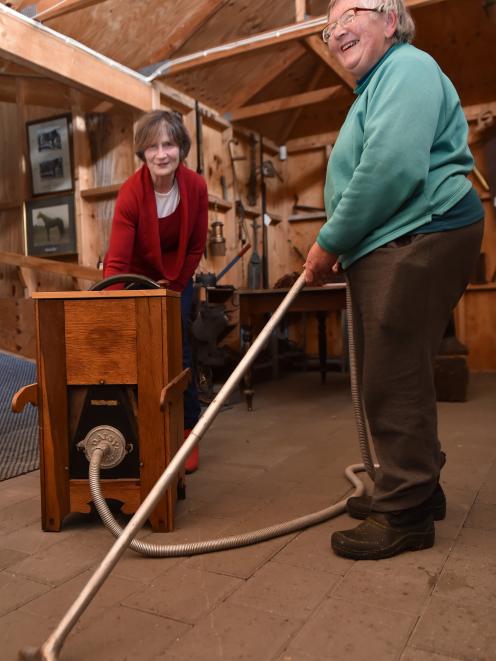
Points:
(303, 217)
(256, 212)
(51, 266)
(482, 287)
(275, 218)
(222, 205)
(101, 192)
(8, 206)
(252, 212)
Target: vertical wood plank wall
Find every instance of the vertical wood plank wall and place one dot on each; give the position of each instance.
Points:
(103, 157)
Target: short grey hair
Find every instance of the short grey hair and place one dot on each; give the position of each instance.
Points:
(405, 30)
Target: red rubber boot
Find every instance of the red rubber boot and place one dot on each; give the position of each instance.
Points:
(193, 459)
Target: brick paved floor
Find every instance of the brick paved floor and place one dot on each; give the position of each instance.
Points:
(289, 599)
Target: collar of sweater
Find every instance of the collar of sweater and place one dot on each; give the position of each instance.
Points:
(365, 80)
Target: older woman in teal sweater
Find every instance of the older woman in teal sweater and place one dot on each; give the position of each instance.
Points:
(406, 226)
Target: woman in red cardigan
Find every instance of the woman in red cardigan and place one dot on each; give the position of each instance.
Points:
(160, 226)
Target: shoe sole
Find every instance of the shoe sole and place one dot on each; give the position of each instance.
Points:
(409, 542)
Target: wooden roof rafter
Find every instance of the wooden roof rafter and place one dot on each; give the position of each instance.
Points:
(289, 125)
(317, 46)
(271, 71)
(285, 103)
(16, 71)
(28, 43)
(180, 34)
(299, 30)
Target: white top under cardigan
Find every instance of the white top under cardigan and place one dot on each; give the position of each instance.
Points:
(167, 202)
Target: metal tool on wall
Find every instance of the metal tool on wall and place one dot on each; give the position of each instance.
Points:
(252, 181)
(217, 241)
(199, 139)
(265, 245)
(239, 208)
(255, 263)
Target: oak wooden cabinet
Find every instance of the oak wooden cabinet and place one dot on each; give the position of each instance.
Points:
(98, 349)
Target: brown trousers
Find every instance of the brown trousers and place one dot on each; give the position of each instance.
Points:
(402, 295)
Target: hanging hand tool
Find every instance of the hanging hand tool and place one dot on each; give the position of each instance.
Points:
(239, 208)
(252, 181)
(223, 184)
(265, 246)
(233, 262)
(270, 171)
(255, 263)
(199, 139)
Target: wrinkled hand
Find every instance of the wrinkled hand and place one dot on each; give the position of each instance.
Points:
(319, 265)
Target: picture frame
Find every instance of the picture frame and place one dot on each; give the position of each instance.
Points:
(50, 227)
(50, 154)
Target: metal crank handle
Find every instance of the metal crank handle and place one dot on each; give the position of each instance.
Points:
(52, 646)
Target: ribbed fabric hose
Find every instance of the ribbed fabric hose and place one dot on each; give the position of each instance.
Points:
(356, 394)
(223, 543)
(263, 534)
(51, 648)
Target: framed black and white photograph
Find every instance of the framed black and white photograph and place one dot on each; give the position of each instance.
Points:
(50, 226)
(49, 144)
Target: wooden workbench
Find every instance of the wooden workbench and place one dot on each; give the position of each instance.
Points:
(319, 300)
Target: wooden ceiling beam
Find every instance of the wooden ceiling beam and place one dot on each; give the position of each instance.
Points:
(286, 103)
(180, 34)
(288, 126)
(48, 9)
(255, 42)
(311, 142)
(272, 70)
(16, 71)
(317, 46)
(247, 45)
(28, 44)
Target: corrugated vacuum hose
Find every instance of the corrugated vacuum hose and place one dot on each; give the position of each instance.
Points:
(125, 537)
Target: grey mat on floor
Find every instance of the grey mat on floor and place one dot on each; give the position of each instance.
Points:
(18, 431)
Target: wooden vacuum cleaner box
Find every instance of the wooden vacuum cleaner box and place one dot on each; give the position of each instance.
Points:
(108, 358)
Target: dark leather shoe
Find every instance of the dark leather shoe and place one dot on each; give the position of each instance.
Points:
(380, 536)
(359, 507)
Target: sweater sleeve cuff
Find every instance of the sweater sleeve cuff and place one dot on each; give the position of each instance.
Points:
(327, 245)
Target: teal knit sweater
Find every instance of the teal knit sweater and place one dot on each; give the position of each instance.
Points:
(401, 156)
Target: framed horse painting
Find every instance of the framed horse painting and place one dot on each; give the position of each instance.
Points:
(50, 155)
(50, 226)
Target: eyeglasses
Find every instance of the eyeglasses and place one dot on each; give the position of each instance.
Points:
(346, 19)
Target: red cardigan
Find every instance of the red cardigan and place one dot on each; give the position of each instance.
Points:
(134, 245)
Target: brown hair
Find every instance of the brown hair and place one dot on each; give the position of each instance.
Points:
(148, 127)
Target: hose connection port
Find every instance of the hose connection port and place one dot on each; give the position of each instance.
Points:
(110, 440)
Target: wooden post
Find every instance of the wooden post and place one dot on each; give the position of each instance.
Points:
(85, 230)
